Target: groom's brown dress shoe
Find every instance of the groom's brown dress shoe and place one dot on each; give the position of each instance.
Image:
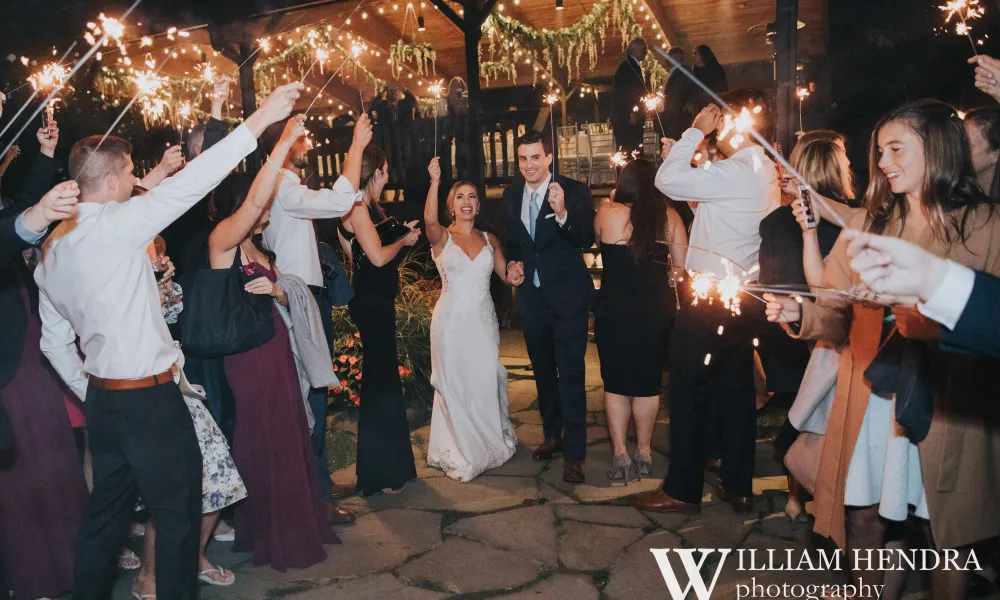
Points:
(659, 501)
(549, 448)
(741, 504)
(573, 471)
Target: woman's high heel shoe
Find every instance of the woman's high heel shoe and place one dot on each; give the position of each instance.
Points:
(643, 465)
(794, 509)
(618, 471)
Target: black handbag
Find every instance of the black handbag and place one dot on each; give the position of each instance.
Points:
(389, 231)
(220, 317)
(902, 368)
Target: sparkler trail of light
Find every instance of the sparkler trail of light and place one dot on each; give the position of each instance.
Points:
(347, 57)
(76, 67)
(321, 55)
(118, 119)
(753, 132)
(34, 93)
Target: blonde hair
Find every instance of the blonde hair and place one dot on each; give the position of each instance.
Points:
(825, 166)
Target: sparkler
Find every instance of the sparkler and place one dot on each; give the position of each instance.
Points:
(321, 55)
(652, 102)
(52, 76)
(112, 28)
(802, 94)
(83, 59)
(551, 100)
(618, 159)
(966, 10)
(435, 91)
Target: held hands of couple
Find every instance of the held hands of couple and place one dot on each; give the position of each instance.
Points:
(515, 273)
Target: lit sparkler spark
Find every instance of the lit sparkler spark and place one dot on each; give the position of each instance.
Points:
(965, 10)
(50, 77)
(743, 123)
(802, 93)
(357, 49)
(652, 101)
(184, 110)
(148, 83)
(208, 73)
(727, 288)
(437, 88)
(551, 99)
(618, 159)
(264, 44)
(113, 28)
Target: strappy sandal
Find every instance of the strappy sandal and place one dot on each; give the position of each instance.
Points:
(129, 560)
(228, 577)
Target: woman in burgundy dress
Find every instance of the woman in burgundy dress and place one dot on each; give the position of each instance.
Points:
(41, 478)
(283, 520)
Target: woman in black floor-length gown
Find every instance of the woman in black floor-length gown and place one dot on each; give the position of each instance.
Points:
(385, 456)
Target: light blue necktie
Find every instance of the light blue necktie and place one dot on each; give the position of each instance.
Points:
(533, 209)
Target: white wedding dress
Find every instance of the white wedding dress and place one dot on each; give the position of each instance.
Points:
(470, 426)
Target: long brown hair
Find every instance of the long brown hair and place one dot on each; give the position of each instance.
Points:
(648, 214)
(372, 160)
(950, 191)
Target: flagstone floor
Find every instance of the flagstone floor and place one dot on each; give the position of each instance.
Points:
(519, 532)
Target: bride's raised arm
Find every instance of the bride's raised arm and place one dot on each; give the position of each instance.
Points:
(437, 234)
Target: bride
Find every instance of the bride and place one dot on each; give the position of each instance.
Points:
(470, 428)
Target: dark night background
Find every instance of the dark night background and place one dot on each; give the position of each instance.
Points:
(882, 53)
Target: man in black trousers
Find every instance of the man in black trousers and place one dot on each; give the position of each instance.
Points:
(548, 220)
(628, 115)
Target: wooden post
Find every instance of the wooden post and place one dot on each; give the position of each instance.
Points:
(472, 28)
(786, 60)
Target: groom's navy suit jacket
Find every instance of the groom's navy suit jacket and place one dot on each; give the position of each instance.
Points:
(555, 252)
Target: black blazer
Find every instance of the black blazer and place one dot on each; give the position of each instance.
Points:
(780, 256)
(978, 329)
(13, 271)
(555, 251)
(629, 88)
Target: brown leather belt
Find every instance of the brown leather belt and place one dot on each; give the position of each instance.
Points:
(100, 383)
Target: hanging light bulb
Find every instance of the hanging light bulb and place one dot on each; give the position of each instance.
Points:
(420, 22)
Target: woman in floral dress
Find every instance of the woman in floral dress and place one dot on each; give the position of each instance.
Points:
(221, 485)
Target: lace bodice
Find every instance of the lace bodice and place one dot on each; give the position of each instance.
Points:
(462, 277)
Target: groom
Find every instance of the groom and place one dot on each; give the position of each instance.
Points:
(547, 222)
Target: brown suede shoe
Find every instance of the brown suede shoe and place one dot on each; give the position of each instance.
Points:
(660, 501)
(713, 464)
(343, 491)
(741, 504)
(337, 514)
(549, 448)
(573, 471)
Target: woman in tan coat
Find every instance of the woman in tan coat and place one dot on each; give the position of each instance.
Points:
(923, 190)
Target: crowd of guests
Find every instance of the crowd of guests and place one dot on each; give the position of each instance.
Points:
(891, 420)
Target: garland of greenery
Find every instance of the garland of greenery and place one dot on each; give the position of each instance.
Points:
(423, 56)
(511, 43)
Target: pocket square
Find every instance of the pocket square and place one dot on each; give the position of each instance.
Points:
(550, 215)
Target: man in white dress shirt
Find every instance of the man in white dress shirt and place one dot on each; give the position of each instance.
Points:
(292, 237)
(96, 282)
(711, 350)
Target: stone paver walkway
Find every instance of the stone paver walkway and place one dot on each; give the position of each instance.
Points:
(519, 532)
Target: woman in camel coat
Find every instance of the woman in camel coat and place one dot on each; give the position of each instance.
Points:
(923, 190)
